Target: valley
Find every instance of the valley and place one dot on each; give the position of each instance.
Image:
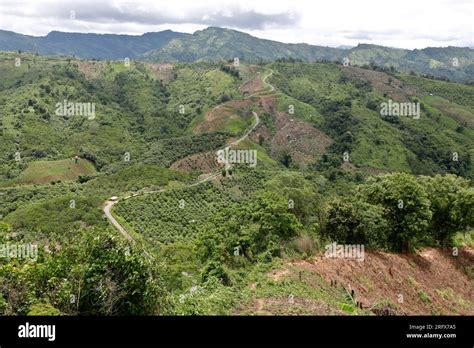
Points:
(187, 235)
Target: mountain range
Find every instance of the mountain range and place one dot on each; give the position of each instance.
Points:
(213, 43)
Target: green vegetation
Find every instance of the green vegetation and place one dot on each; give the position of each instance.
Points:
(329, 169)
(400, 212)
(176, 215)
(97, 274)
(46, 171)
(427, 146)
(168, 151)
(214, 44)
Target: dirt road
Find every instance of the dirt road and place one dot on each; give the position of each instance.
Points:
(107, 206)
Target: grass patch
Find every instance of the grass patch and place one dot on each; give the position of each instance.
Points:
(41, 172)
(424, 296)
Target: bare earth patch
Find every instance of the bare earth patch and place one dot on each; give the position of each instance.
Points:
(216, 118)
(203, 162)
(162, 72)
(91, 70)
(251, 86)
(430, 282)
(239, 104)
(300, 139)
(278, 274)
(298, 306)
(384, 83)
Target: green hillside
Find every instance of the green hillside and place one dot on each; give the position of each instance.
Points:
(98, 46)
(39, 172)
(213, 44)
(199, 237)
(351, 116)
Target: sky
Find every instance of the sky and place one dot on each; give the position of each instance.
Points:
(397, 23)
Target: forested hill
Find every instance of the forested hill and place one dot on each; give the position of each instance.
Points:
(213, 44)
(92, 46)
(154, 105)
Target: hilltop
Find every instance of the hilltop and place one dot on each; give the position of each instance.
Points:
(90, 45)
(214, 43)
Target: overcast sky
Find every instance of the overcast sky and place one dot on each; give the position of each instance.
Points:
(396, 23)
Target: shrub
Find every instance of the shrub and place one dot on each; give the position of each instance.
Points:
(405, 205)
(43, 309)
(356, 222)
(450, 208)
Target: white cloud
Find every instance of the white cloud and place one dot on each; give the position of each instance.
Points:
(400, 23)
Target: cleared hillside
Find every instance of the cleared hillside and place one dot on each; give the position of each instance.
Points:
(432, 282)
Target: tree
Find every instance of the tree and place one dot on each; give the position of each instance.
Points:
(4, 229)
(463, 209)
(286, 159)
(254, 228)
(301, 195)
(406, 207)
(117, 278)
(356, 222)
(271, 211)
(95, 273)
(444, 193)
(224, 98)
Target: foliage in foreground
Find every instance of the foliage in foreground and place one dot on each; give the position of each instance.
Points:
(400, 212)
(96, 274)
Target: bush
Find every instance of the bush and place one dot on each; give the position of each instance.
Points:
(356, 222)
(3, 305)
(452, 209)
(216, 270)
(43, 309)
(254, 227)
(102, 272)
(405, 204)
(224, 98)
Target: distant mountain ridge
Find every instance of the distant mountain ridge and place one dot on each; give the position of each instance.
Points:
(214, 43)
(98, 46)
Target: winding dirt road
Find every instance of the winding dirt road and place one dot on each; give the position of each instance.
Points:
(107, 206)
